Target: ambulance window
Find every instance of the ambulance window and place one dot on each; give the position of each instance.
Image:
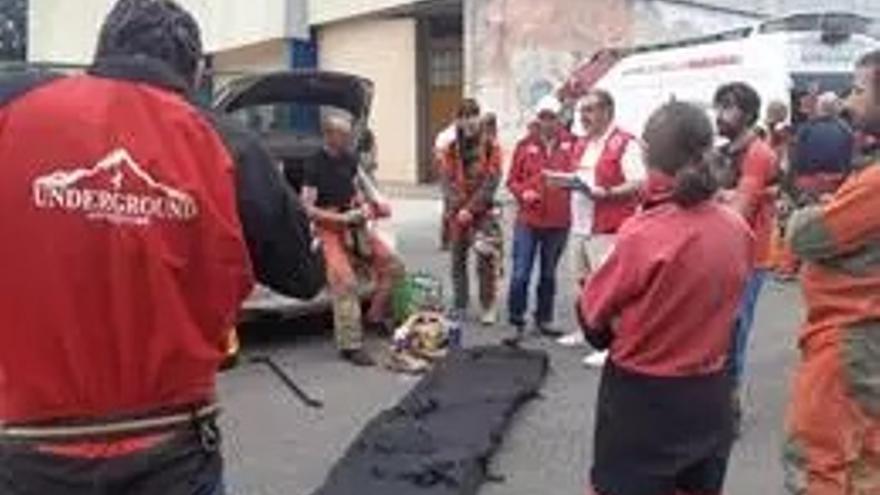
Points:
(793, 23)
(837, 23)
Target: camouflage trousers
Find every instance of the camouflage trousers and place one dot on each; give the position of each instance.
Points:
(833, 444)
(487, 244)
(381, 265)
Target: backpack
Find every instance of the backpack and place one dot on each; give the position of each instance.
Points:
(416, 292)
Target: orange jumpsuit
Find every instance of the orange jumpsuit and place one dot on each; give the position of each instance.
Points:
(384, 269)
(473, 188)
(833, 422)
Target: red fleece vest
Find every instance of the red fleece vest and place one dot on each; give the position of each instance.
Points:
(611, 213)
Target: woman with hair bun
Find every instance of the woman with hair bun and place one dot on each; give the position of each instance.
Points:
(663, 304)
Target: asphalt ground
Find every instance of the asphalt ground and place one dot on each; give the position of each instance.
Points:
(277, 446)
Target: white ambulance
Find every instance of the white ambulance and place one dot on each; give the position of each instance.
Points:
(781, 58)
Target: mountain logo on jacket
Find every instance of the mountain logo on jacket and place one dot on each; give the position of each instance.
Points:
(116, 190)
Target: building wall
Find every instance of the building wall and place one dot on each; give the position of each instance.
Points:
(383, 50)
(783, 7)
(325, 11)
(759, 6)
(661, 21)
(260, 57)
(864, 7)
(66, 30)
(518, 51)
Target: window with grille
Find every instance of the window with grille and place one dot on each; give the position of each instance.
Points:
(446, 67)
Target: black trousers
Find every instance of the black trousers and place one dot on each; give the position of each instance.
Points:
(662, 436)
(185, 464)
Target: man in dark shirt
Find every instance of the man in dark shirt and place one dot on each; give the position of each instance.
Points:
(823, 150)
(332, 176)
(334, 195)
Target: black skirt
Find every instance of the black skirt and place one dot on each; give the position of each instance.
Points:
(658, 435)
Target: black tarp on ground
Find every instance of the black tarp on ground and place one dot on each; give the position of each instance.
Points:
(439, 438)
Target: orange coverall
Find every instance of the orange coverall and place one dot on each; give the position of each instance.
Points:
(833, 422)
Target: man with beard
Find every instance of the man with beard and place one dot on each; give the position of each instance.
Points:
(750, 172)
(612, 173)
(471, 173)
(833, 422)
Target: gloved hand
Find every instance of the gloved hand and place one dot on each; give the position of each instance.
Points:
(382, 210)
(356, 216)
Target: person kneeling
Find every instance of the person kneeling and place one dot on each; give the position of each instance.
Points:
(671, 286)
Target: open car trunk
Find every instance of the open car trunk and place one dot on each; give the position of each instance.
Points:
(285, 109)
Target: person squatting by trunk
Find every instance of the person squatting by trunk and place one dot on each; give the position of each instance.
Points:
(470, 173)
(333, 192)
(111, 339)
(833, 420)
(663, 303)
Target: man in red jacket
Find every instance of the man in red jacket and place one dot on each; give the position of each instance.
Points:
(543, 219)
(611, 170)
(133, 225)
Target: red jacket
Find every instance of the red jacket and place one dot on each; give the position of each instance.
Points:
(668, 294)
(530, 160)
(130, 228)
(610, 213)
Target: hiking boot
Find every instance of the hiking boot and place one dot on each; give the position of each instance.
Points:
(358, 357)
(514, 341)
(545, 330)
(379, 328)
(519, 334)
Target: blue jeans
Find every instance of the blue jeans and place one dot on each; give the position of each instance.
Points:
(742, 326)
(528, 242)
